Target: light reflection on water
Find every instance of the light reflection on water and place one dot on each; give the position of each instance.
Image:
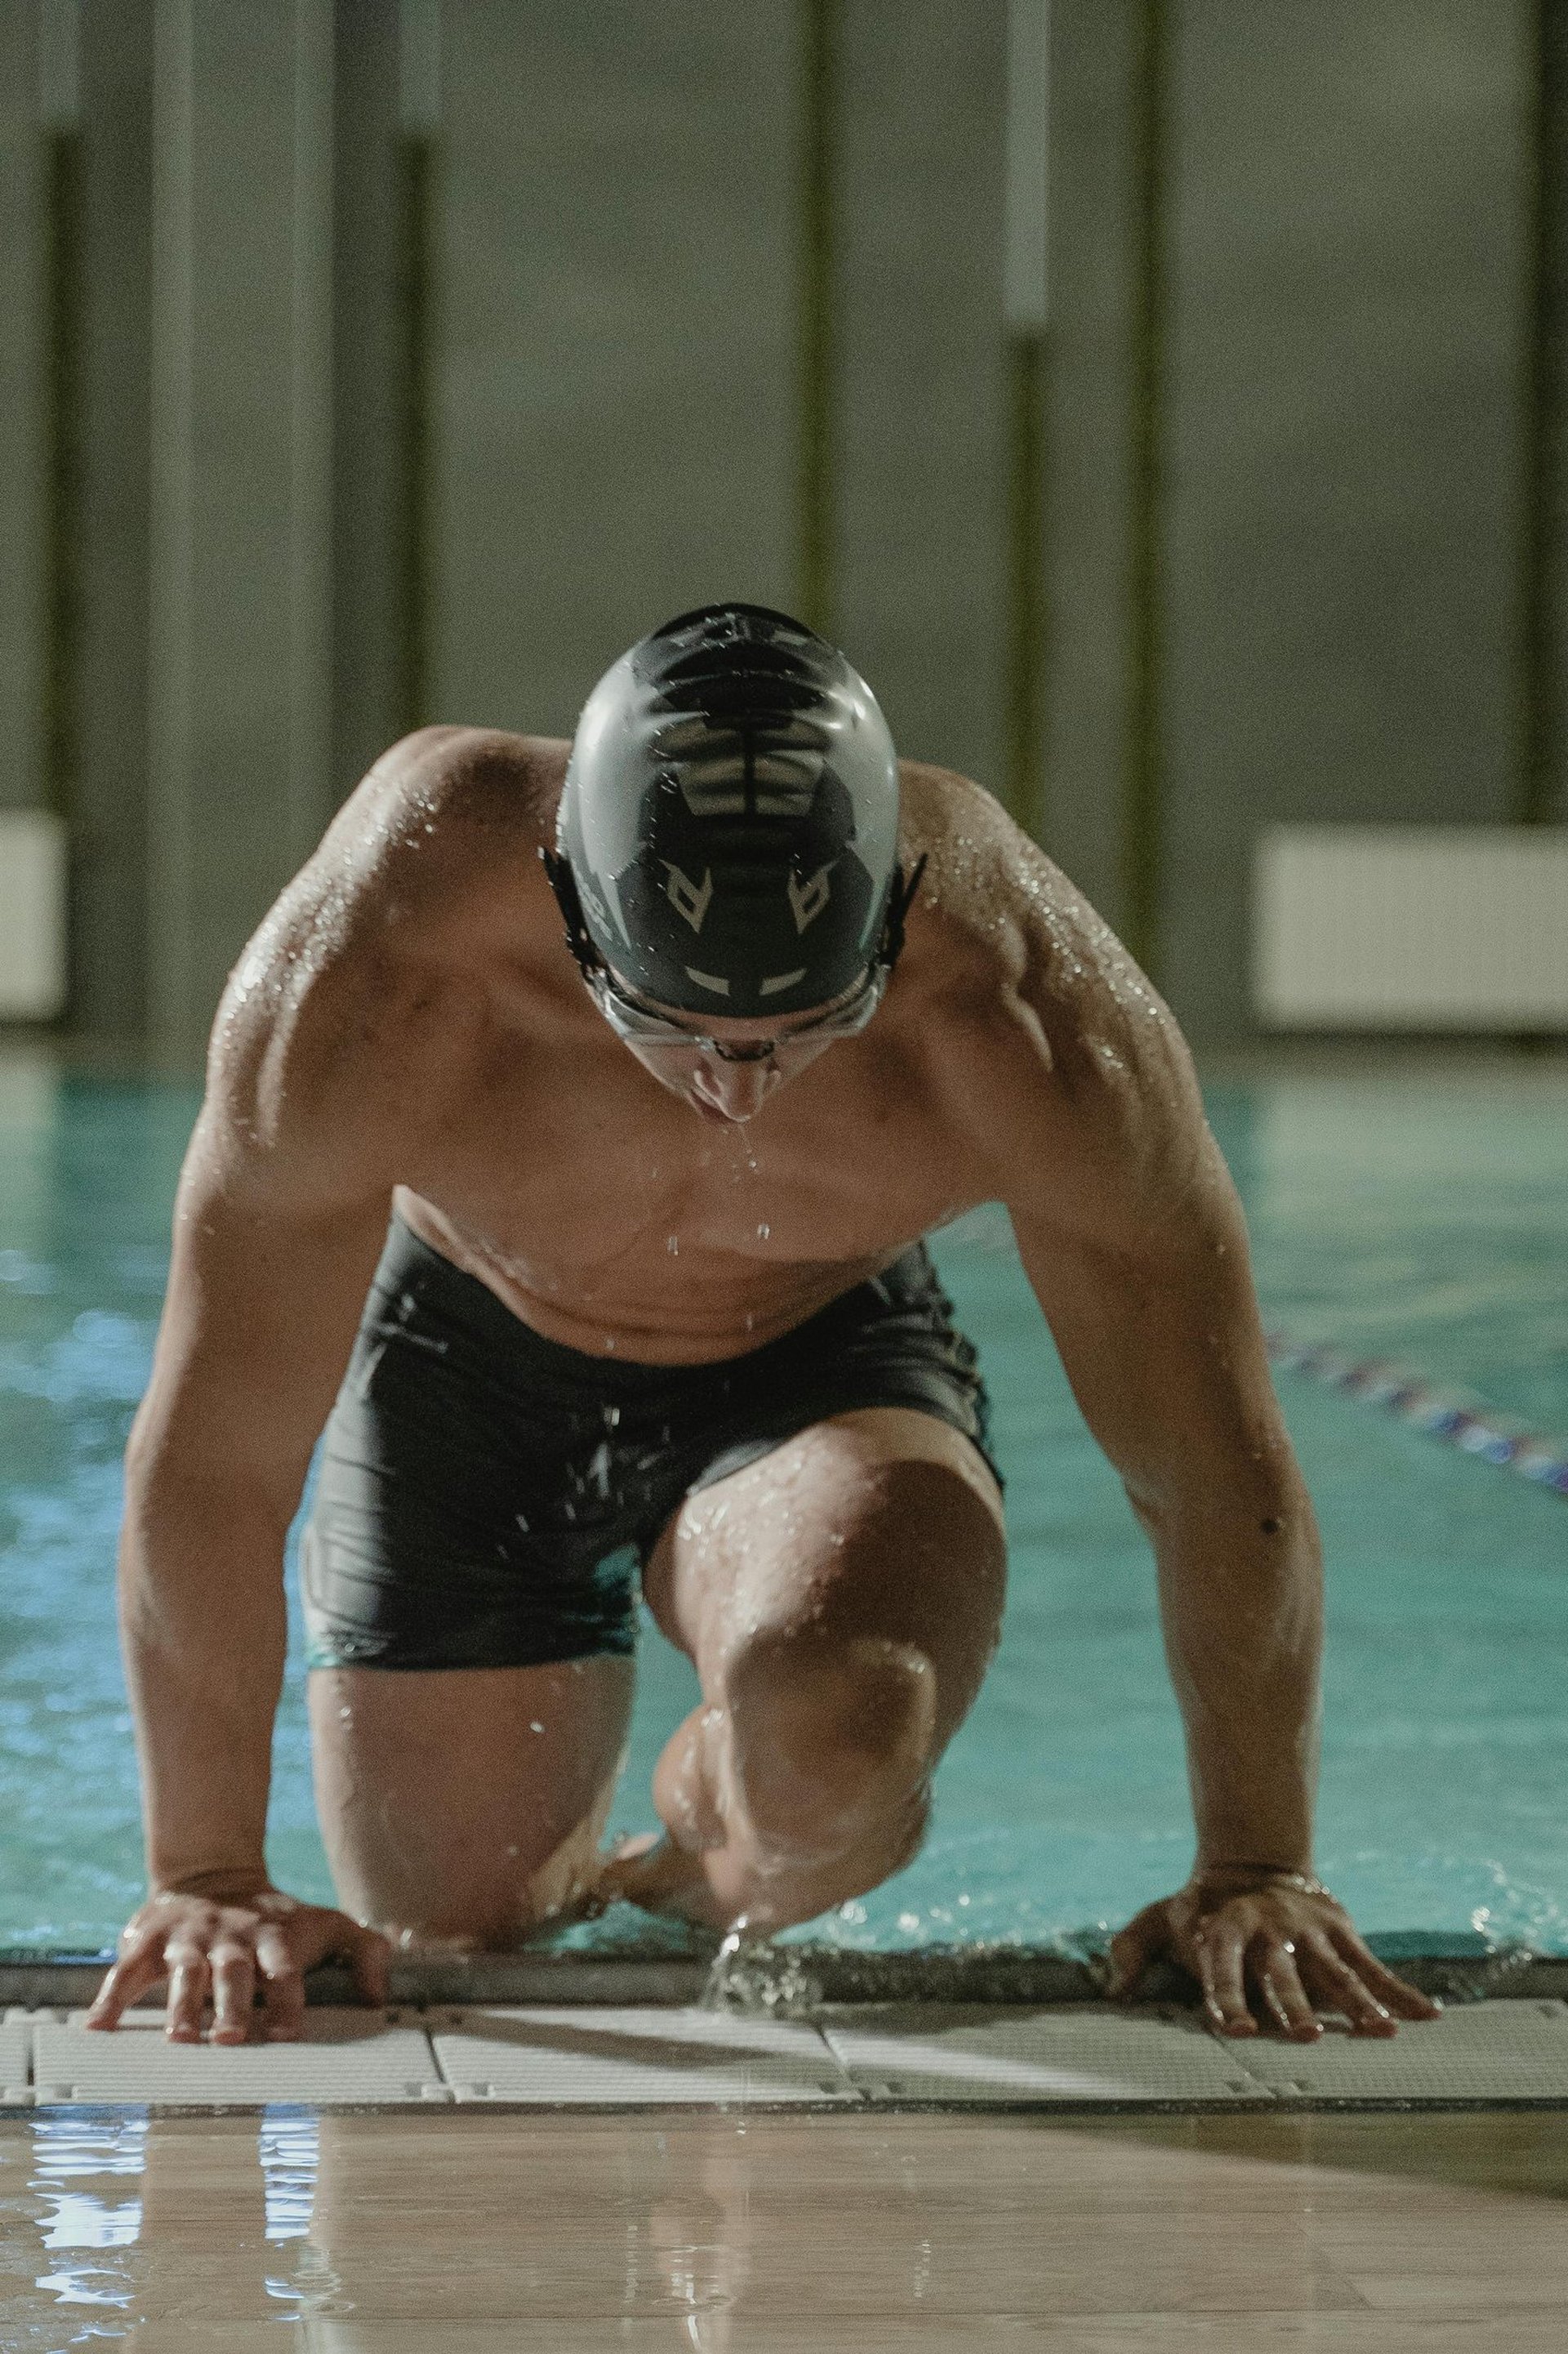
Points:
(132, 2216)
(72, 2157)
(1430, 1219)
(129, 2230)
(128, 2222)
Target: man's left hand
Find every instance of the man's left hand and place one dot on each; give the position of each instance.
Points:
(1279, 1942)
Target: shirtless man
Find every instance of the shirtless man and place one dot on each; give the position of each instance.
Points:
(654, 1299)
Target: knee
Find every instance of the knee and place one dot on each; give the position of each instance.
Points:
(832, 1738)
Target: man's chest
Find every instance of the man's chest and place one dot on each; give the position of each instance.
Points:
(576, 1178)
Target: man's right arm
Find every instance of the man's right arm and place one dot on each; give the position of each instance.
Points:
(271, 1265)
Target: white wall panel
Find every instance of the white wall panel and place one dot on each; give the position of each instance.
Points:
(1411, 927)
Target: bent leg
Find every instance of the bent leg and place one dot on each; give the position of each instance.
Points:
(840, 1599)
(465, 1805)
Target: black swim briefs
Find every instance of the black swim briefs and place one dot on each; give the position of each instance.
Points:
(485, 1498)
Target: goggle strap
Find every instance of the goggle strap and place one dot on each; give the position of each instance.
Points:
(900, 898)
(563, 884)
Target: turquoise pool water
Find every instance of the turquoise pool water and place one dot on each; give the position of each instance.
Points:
(1402, 1217)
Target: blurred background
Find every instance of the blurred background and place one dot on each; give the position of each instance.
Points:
(1162, 402)
(1160, 399)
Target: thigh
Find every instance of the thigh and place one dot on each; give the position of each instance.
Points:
(466, 1803)
(885, 1523)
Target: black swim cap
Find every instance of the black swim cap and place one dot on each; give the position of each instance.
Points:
(730, 817)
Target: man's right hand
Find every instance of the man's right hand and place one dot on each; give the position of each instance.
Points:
(217, 1952)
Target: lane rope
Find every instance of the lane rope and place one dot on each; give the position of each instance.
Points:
(1447, 1413)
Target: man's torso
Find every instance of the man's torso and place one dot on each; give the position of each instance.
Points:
(529, 1147)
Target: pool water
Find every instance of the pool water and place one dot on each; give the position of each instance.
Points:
(1408, 1218)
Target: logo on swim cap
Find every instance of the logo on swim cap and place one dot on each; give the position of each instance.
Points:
(688, 898)
(808, 903)
(732, 776)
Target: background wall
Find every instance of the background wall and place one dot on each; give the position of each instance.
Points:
(368, 362)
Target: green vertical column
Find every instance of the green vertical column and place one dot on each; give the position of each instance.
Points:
(1143, 795)
(23, 370)
(1543, 620)
(240, 661)
(418, 118)
(59, 79)
(816, 550)
(1025, 309)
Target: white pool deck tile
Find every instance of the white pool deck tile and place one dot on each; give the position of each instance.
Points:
(1011, 2057)
(17, 2060)
(1074, 2056)
(635, 2058)
(1496, 2051)
(348, 2056)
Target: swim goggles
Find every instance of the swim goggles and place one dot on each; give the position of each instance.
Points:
(639, 1025)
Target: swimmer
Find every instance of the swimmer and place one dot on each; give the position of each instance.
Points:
(572, 1126)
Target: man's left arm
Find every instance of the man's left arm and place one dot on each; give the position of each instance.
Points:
(1134, 1242)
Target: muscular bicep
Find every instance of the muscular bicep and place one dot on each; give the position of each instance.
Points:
(267, 1275)
(1161, 1342)
(1134, 1243)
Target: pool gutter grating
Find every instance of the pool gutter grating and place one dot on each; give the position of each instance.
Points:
(1094, 2059)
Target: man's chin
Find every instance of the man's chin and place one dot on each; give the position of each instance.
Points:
(717, 1119)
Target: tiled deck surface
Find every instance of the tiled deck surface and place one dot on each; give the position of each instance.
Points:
(16, 2046)
(1062, 2056)
(634, 2058)
(352, 2057)
(1005, 2058)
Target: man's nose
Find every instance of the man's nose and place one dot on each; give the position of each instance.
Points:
(738, 1089)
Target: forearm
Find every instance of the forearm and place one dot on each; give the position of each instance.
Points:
(1241, 1601)
(204, 1628)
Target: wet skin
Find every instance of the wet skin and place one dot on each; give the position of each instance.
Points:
(409, 1025)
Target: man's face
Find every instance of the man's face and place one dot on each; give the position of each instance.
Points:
(728, 1071)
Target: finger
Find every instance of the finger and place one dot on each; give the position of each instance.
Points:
(284, 1985)
(1341, 1985)
(1132, 1949)
(188, 1980)
(370, 1959)
(1219, 1975)
(1279, 1983)
(140, 1968)
(1396, 1994)
(233, 1993)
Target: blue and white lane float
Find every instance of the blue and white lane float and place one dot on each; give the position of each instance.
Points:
(1463, 1422)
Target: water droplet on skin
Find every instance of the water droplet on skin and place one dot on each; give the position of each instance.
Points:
(534, 1727)
(762, 1231)
(674, 1245)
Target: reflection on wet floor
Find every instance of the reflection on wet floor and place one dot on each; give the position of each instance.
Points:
(452, 2234)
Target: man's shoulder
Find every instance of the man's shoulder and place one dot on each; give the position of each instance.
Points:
(1000, 907)
(451, 780)
(356, 998)
(1055, 1020)
(418, 867)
